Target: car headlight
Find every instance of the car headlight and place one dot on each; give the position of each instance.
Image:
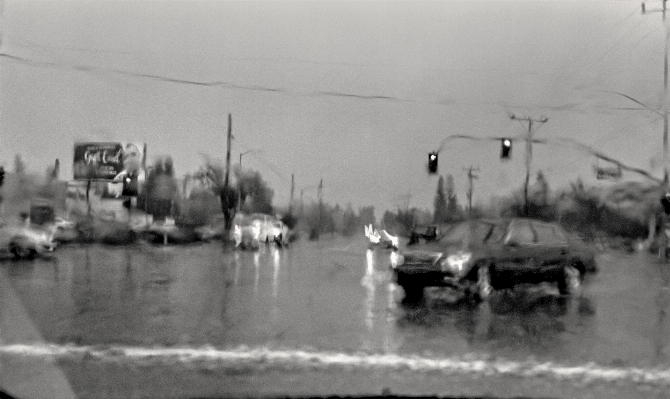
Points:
(396, 260)
(456, 263)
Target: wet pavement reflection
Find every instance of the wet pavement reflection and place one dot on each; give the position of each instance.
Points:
(335, 295)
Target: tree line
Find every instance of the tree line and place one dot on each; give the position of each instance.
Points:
(624, 209)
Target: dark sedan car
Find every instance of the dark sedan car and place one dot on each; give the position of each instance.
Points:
(479, 256)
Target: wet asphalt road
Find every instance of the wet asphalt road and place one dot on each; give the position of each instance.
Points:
(333, 300)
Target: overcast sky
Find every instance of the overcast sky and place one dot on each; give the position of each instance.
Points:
(356, 93)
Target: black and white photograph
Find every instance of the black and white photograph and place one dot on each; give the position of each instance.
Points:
(334, 199)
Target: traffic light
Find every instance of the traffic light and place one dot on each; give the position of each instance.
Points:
(506, 148)
(2, 175)
(432, 162)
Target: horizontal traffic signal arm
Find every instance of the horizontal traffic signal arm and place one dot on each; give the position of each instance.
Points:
(496, 138)
(567, 142)
(559, 141)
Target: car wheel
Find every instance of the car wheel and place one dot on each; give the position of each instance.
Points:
(21, 252)
(571, 282)
(484, 287)
(413, 289)
(413, 293)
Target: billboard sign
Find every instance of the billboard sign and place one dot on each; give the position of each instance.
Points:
(110, 161)
(97, 161)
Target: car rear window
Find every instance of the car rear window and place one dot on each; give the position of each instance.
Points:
(548, 234)
(521, 233)
(465, 233)
(496, 234)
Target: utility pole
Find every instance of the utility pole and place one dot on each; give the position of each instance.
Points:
(56, 169)
(529, 151)
(319, 195)
(88, 198)
(2, 22)
(664, 113)
(239, 187)
(665, 97)
(225, 194)
(302, 202)
(471, 177)
(290, 203)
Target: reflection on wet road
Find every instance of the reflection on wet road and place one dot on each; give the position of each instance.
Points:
(335, 296)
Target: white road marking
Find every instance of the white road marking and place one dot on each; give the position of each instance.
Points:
(263, 357)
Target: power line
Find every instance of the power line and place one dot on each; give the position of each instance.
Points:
(579, 107)
(616, 135)
(32, 45)
(623, 37)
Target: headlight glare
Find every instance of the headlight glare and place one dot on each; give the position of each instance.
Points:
(456, 263)
(397, 260)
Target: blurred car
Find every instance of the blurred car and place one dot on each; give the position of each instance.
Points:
(426, 233)
(24, 241)
(270, 228)
(479, 256)
(212, 230)
(64, 224)
(274, 230)
(246, 237)
(169, 232)
(249, 231)
(206, 233)
(65, 230)
(380, 238)
(41, 211)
